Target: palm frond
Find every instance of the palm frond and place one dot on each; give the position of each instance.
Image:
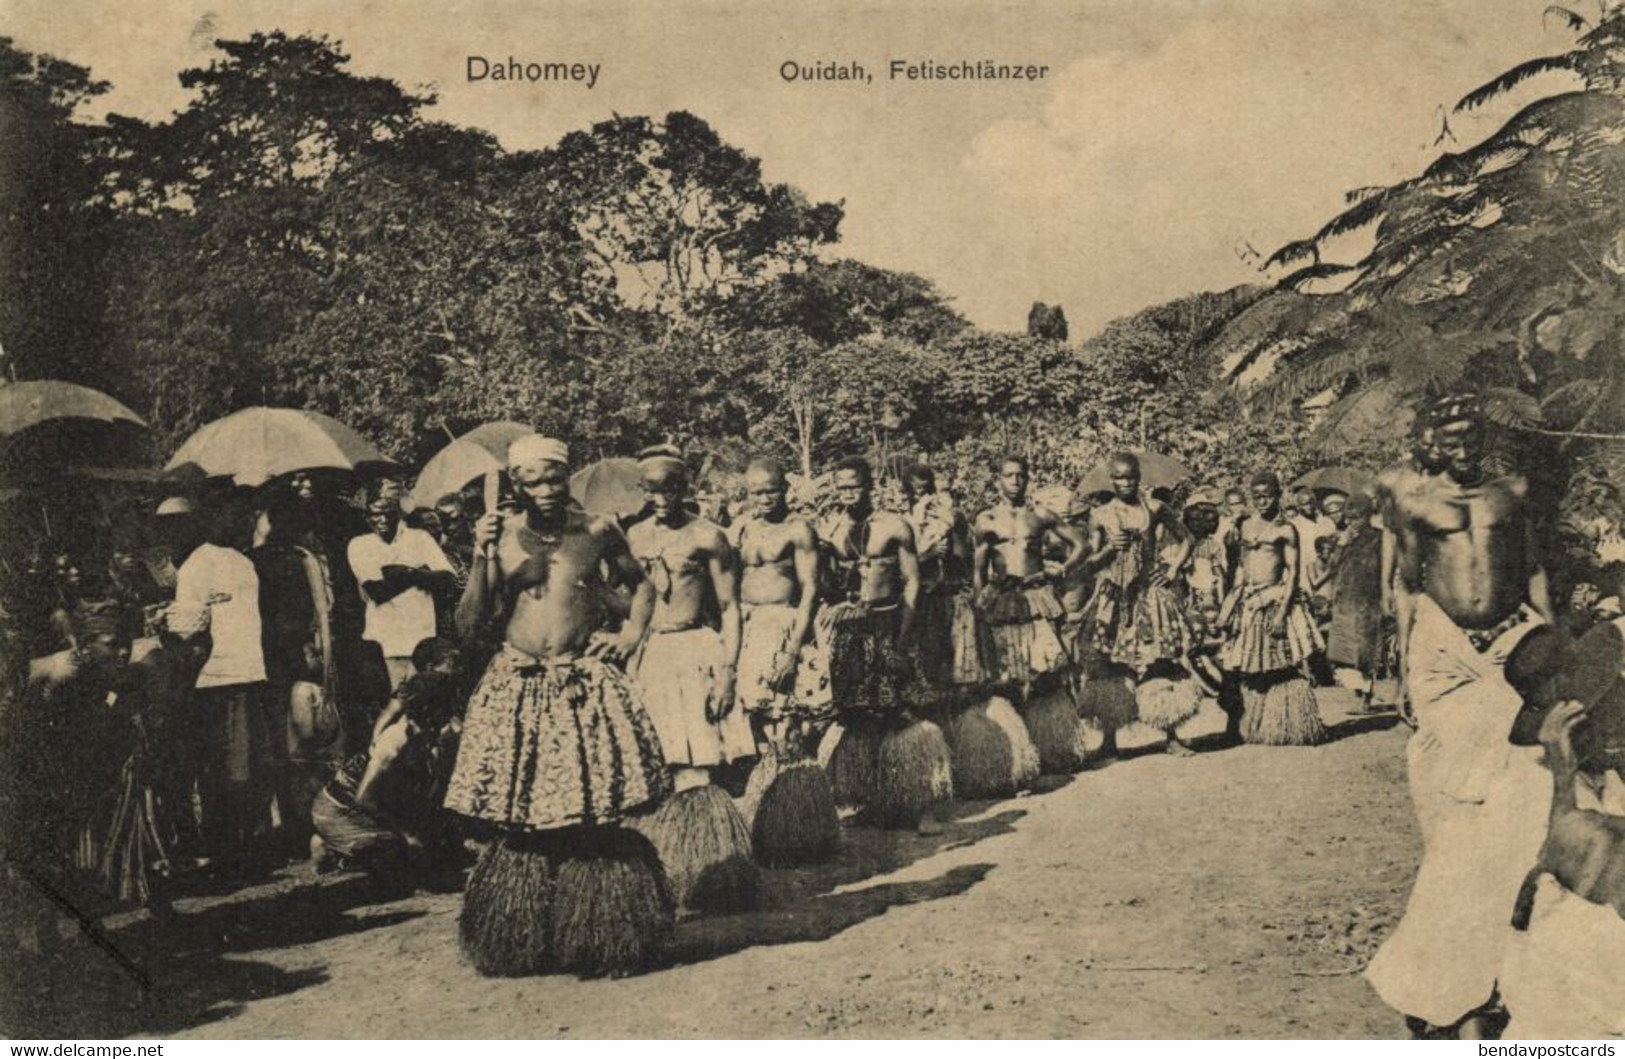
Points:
(1295, 251)
(1357, 216)
(1516, 76)
(1611, 30)
(1319, 270)
(1573, 20)
(1354, 196)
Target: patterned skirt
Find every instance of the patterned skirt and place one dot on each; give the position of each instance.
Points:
(954, 644)
(1138, 625)
(1253, 647)
(1023, 629)
(551, 743)
(674, 675)
(867, 672)
(764, 636)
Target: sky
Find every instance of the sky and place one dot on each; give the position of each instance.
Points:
(1167, 134)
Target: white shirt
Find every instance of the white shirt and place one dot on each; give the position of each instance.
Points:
(237, 656)
(402, 623)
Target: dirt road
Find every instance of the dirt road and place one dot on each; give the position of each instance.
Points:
(1234, 894)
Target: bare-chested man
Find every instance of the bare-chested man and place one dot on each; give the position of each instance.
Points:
(886, 759)
(1015, 586)
(685, 672)
(1139, 633)
(1272, 634)
(1018, 599)
(556, 749)
(779, 687)
(782, 680)
(1402, 580)
(1466, 541)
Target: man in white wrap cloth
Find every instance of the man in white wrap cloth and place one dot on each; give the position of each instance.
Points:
(685, 671)
(686, 675)
(1480, 801)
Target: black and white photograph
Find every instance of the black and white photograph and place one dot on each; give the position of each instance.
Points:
(882, 519)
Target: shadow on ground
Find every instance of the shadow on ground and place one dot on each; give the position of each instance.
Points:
(61, 984)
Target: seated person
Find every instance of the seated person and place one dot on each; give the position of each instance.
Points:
(1564, 976)
(383, 806)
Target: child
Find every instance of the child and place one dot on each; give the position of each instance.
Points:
(1564, 976)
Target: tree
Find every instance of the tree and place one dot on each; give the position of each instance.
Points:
(837, 301)
(52, 239)
(1047, 321)
(679, 218)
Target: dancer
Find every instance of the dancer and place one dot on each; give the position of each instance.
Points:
(884, 758)
(685, 675)
(1481, 803)
(1017, 598)
(556, 749)
(1271, 633)
(993, 756)
(781, 687)
(1140, 635)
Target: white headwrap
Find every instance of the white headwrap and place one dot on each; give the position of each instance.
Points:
(532, 449)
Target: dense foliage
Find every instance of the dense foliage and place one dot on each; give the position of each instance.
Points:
(301, 235)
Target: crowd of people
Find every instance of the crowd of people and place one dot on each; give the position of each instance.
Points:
(620, 720)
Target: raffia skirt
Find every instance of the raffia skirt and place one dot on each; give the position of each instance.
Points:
(555, 742)
(1137, 626)
(674, 674)
(954, 644)
(1022, 624)
(1254, 647)
(867, 672)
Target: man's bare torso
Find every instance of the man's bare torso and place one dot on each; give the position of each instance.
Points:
(1264, 543)
(554, 584)
(677, 562)
(1016, 538)
(867, 554)
(1467, 546)
(767, 557)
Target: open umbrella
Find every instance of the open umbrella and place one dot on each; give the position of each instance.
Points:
(471, 455)
(257, 444)
(1339, 479)
(48, 426)
(1156, 472)
(611, 488)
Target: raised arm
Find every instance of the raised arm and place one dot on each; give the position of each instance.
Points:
(482, 597)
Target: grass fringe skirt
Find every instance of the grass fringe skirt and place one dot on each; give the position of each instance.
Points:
(704, 847)
(993, 756)
(915, 773)
(1282, 712)
(1052, 721)
(586, 899)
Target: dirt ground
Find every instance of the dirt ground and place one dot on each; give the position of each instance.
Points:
(1234, 894)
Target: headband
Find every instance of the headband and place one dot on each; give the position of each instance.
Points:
(532, 449)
